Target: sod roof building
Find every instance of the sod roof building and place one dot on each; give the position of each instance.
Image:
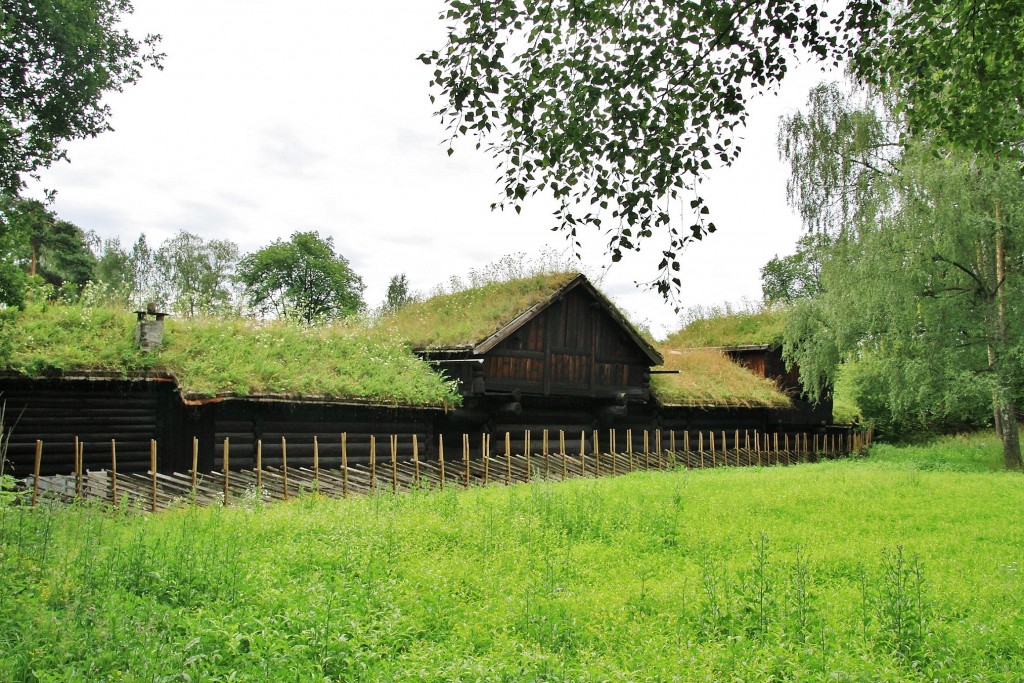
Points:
(548, 352)
(545, 337)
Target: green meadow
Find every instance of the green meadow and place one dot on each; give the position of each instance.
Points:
(907, 565)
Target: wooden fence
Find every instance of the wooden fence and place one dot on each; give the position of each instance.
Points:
(476, 462)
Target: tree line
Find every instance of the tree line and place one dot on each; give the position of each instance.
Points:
(909, 280)
(302, 278)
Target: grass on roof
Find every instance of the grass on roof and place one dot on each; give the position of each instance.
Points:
(707, 377)
(467, 317)
(227, 357)
(734, 329)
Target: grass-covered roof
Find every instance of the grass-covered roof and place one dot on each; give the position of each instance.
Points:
(465, 318)
(232, 357)
(731, 329)
(708, 377)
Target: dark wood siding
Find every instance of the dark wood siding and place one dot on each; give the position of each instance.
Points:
(95, 411)
(769, 363)
(246, 423)
(573, 348)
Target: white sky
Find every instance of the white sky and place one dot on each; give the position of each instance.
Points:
(265, 122)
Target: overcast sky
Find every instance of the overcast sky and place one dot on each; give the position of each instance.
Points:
(265, 122)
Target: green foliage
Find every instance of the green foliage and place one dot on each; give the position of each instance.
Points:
(841, 155)
(914, 301)
(919, 283)
(619, 109)
(398, 293)
(114, 271)
(725, 327)
(42, 245)
(301, 279)
(58, 61)
(195, 273)
(857, 570)
(797, 276)
(965, 452)
(954, 69)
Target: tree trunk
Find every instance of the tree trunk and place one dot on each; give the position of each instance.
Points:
(1011, 437)
(997, 419)
(1007, 421)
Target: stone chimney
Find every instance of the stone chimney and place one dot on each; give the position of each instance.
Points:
(149, 332)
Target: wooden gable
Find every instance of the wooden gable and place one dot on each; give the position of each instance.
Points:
(575, 346)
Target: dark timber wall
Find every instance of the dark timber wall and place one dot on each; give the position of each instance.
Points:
(95, 411)
(247, 423)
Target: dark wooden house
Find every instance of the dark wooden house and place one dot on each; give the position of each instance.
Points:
(573, 346)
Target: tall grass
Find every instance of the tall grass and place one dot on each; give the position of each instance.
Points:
(341, 360)
(706, 376)
(878, 570)
(731, 329)
(468, 316)
(232, 356)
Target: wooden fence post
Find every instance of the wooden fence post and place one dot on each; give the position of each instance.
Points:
(561, 450)
(583, 453)
(657, 449)
(527, 448)
(736, 446)
(227, 469)
(259, 468)
(152, 473)
(508, 459)
(440, 457)
(485, 451)
(714, 455)
(284, 467)
(465, 456)
(686, 447)
(373, 462)
(757, 447)
(35, 472)
(547, 456)
(78, 470)
(647, 451)
(195, 466)
(316, 464)
(700, 447)
(672, 448)
(394, 463)
(415, 460)
(612, 452)
(344, 464)
(113, 472)
(629, 446)
(597, 453)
